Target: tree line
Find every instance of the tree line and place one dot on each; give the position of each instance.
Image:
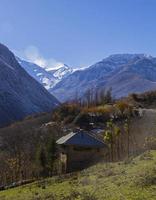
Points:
(94, 97)
(27, 153)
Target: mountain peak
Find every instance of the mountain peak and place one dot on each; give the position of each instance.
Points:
(49, 76)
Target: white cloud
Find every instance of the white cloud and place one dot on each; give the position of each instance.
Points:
(32, 54)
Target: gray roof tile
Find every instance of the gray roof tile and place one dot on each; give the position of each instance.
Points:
(82, 139)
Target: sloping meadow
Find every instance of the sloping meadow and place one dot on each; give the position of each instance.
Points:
(132, 179)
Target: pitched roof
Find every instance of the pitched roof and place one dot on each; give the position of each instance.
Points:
(81, 139)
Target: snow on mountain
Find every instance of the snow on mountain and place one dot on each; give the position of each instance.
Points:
(62, 72)
(48, 76)
(124, 73)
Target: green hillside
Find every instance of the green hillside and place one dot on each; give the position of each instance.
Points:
(133, 179)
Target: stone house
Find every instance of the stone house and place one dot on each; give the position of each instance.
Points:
(78, 150)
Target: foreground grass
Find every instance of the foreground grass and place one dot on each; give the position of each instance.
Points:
(134, 179)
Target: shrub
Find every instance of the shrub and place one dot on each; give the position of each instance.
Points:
(84, 195)
(88, 196)
(146, 156)
(146, 178)
(66, 112)
(150, 143)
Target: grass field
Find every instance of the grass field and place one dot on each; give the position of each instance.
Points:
(133, 179)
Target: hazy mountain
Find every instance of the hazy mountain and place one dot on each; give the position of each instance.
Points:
(48, 77)
(124, 73)
(20, 94)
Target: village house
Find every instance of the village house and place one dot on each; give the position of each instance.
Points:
(78, 150)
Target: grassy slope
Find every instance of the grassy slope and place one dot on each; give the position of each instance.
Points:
(131, 180)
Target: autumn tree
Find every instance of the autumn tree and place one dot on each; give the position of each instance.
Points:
(108, 137)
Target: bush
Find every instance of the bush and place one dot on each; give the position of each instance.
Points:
(150, 143)
(146, 178)
(66, 112)
(146, 156)
(83, 195)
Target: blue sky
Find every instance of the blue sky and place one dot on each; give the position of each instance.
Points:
(77, 32)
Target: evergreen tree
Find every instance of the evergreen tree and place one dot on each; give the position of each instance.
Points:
(41, 159)
(51, 154)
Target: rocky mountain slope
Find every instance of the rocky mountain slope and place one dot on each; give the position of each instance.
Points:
(48, 77)
(124, 73)
(20, 94)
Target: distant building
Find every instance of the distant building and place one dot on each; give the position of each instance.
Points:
(78, 150)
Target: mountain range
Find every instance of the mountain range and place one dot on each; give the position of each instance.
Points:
(20, 94)
(123, 73)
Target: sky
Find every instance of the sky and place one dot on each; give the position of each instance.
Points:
(77, 32)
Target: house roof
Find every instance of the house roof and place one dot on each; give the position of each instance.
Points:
(81, 138)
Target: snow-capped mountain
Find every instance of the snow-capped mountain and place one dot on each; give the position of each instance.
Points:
(20, 94)
(62, 72)
(124, 73)
(48, 76)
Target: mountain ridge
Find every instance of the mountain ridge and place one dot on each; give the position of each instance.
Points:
(124, 73)
(48, 77)
(20, 94)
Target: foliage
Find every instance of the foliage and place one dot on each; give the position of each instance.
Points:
(147, 177)
(150, 142)
(66, 112)
(95, 97)
(23, 149)
(146, 99)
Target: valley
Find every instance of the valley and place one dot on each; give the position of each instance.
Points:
(34, 121)
(77, 100)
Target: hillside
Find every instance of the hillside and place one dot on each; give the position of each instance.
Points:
(124, 73)
(133, 179)
(20, 94)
